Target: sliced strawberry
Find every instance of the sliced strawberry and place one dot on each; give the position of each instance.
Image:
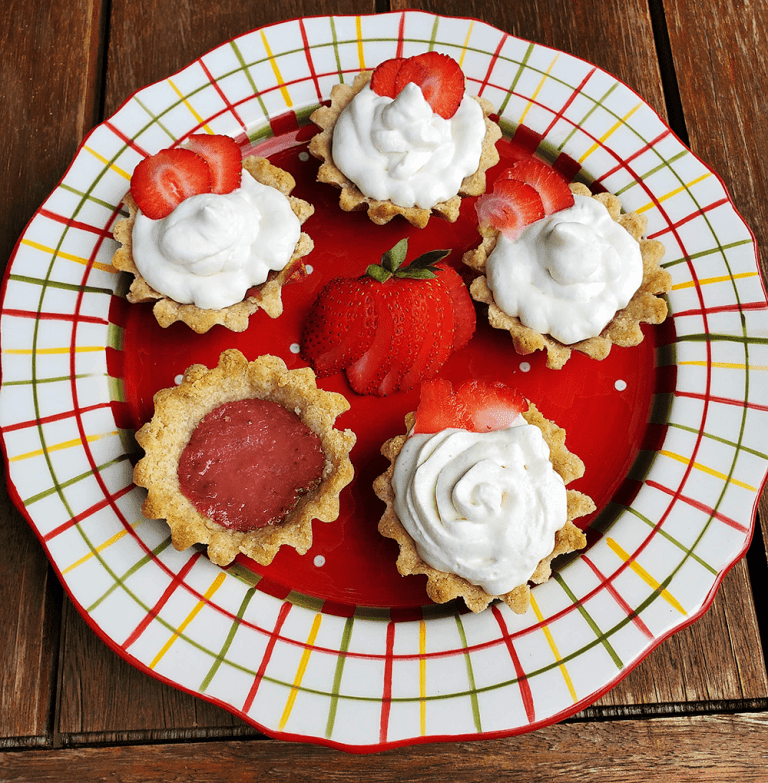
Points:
(407, 344)
(491, 406)
(445, 334)
(224, 159)
(464, 316)
(439, 408)
(511, 207)
(440, 78)
(340, 325)
(162, 181)
(548, 183)
(384, 76)
(365, 375)
(477, 406)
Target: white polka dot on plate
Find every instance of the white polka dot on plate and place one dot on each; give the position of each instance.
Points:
(304, 156)
(294, 348)
(309, 268)
(178, 379)
(319, 561)
(620, 385)
(525, 367)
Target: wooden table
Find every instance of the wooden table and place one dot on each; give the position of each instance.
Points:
(696, 708)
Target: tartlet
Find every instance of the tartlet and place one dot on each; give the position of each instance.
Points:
(443, 586)
(380, 212)
(266, 296)
(646, 306)
(178, 412)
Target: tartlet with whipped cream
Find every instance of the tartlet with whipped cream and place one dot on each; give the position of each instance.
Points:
(482, 514)
(218, 258)
(243, 457)
(393, 155)
(580, 279)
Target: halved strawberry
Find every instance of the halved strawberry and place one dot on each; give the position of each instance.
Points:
(511, 207)
(384, 76)
(477, 406)
(548, 183)
(465, 318)
(163, 180)
(491, 406)
(440, 78)
(439, 408)
(340, 326)
(223, 157)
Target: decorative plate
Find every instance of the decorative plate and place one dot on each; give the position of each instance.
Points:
(334, 647)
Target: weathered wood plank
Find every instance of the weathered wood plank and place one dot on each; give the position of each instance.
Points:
(723, 748)
(48, 89)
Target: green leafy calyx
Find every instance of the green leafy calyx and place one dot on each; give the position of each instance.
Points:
(421, 268)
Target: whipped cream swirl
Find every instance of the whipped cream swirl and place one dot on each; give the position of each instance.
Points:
(567, 274)
(485, 506)
(213, 247)
(399, 150)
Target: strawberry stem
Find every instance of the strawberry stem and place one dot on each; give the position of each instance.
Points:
(391, 265)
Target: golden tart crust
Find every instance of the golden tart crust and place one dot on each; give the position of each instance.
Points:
(443, 586)
(235, 317)
(178, 411)
(646, 306)
(381, 212)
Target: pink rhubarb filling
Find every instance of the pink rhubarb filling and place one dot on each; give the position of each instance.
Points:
(248, 462)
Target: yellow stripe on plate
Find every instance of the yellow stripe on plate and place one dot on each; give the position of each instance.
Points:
(674, 192)
(645, 576)
(54, 351)
(303, 663)
(359, 33)
(422, 677)
(725, 365)
(215, 585)
(538, 89)
(466, 43)
(100, 548)
(189, 106)
(610, 132)
(68, 256)
(707, 470)
(552, 646)
(106, 162)
(67, 444)
(283, 89)
(710, 280)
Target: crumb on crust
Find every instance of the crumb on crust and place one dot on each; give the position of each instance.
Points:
(381, 212)
(178, 411)
(235, 317)
(646, 306)
(443, 586)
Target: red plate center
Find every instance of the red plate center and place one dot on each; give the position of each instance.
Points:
(604, 406)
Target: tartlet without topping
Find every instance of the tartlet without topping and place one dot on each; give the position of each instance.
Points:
(177, 412)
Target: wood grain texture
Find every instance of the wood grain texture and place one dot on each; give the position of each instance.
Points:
(686, 749)
(175, 34)
(44, 121)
